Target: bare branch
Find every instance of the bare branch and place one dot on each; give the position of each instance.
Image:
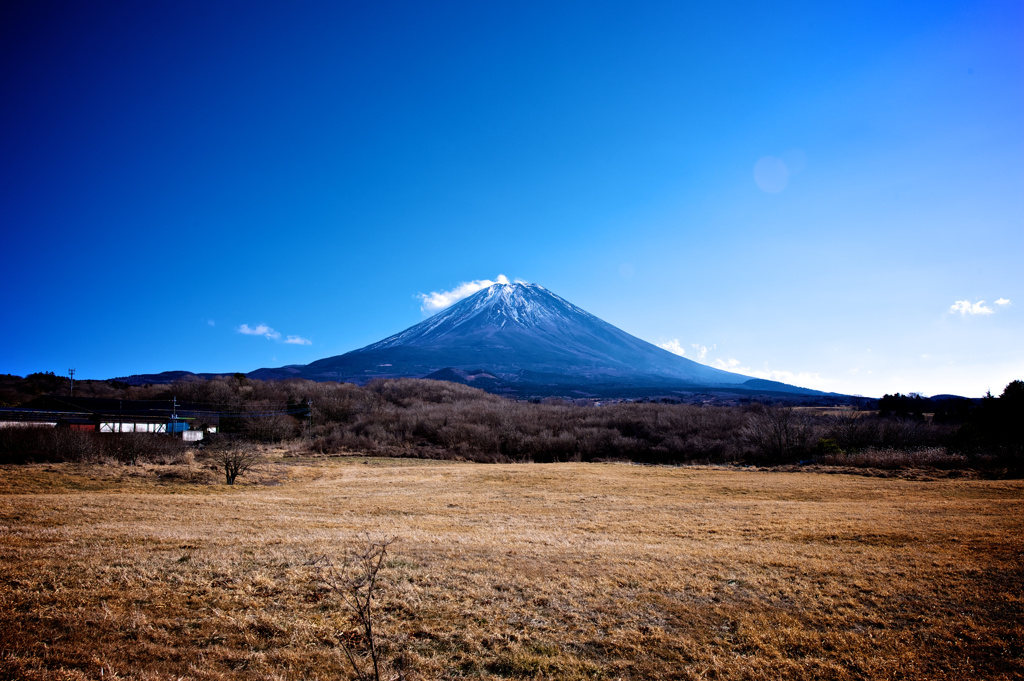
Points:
(356, 581)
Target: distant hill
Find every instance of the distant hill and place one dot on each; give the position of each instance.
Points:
(157, 379)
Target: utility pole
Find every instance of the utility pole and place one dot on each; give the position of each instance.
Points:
(71, 373)
(174, 415)
(309, 404)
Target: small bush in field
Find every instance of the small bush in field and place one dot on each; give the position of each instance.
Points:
(236, 461)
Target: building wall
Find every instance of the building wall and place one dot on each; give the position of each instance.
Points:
(130, 427)
(27, 424)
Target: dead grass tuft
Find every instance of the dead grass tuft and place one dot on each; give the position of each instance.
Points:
(889, 458)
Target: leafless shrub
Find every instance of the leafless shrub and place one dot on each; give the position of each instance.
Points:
(168, 451)
(26, 444)
(357, 582)
(70, 444)
(909, 433)
(130, 448)
(126, 447)
(45, 443)
(890, 458)
(777, 433)
(264, 426)
(852, 429)
(235, 461)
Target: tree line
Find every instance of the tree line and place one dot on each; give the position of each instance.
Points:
(436, 419)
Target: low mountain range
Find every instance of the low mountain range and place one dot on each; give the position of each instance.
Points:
(522, 340)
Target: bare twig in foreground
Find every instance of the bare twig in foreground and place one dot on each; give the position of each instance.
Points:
(356, 581)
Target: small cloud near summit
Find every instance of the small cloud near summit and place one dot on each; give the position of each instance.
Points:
(702, 350)
(435, 301)
(673, 346)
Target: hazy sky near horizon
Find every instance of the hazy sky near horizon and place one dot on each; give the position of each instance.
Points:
(829, 195)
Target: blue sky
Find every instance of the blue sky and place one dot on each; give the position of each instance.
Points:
(827, 195)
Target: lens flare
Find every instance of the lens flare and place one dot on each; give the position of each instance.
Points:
(771, 174)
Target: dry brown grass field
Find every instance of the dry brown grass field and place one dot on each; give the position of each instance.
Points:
(559, 571)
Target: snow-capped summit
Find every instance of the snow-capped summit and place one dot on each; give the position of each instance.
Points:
(499, 309)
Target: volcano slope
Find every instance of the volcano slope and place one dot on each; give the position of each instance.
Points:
(522, 339)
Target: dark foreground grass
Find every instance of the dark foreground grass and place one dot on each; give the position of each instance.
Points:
(510, 571)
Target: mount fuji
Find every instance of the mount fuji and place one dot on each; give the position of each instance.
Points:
(522, 339)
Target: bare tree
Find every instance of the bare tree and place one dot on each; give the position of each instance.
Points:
(846, 427)
(235, 461)
(776, 432)
(269, 427)
(73, 445)
(356, 581)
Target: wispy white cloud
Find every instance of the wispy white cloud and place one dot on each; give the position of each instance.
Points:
(1003, 301)
(211, 322)
(259, 330)
(803, 379)
(966, 307)
(271, 334)
(701, 350)
(672, 346)
(439, 300)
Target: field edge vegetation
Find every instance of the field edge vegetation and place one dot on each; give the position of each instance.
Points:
(436, 419)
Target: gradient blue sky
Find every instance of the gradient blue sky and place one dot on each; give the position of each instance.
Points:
(800, 191)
